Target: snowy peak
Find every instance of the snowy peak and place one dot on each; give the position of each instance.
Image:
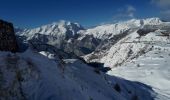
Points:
(148, 21)
(153, 21)
(61, 29)
(67, 23)
(110, 30)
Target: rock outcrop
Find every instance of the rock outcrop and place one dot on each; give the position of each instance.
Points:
(8, 40)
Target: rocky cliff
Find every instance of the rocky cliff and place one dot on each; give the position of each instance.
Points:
(7, 37)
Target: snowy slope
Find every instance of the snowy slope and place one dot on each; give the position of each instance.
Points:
(132, 47)
(141, 56)
(32, 76)
(152, 69)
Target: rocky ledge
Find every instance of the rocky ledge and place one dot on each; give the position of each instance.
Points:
(8, 40)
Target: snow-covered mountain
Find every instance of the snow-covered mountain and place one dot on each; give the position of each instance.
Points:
(122, 46)
(142, 55)
(61, 30)
(62, 35)
(73, 38)
(111, 44)
(110, 30)
(135, 42)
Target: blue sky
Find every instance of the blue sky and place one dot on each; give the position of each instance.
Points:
(33, 13)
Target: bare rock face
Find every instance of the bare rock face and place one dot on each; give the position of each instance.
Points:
(8, 40)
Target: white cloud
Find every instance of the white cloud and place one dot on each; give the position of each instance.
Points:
(130, 8)
(162, 3)
(164, 6)
(165, 14)
(126, 12)
(130, 11)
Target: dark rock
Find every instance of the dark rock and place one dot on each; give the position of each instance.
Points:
(78, 47)
(8, 40)
(143, 32)
(117, 88)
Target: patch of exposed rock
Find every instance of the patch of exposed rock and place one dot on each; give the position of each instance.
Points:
(8, 40)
